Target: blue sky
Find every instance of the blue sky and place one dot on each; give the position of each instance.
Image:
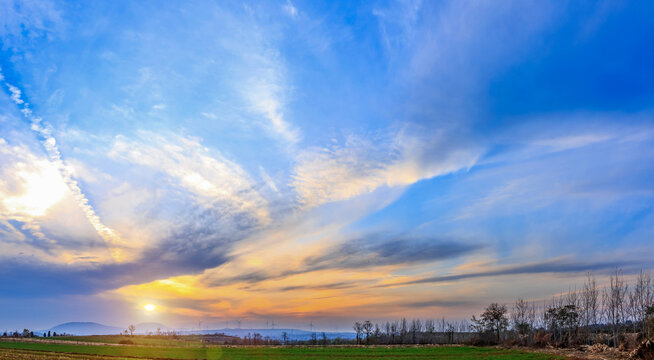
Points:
(305, 161)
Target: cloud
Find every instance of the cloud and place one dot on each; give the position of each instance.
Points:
(290, 9)
(266, 92)
(557, 266)
(364, 253)
(210, 176)
(23, 22)
(362, 165)
(367, 253)
(39, 215)
(268, 180)
(572, 141)
(188, 250)
(440, 303)
(115, 243)
(30, 186)
(329, 286)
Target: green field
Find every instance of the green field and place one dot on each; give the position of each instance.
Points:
(185, 341)
(42, 350)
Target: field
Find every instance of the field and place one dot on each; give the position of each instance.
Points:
(185, 341)
(65, 351)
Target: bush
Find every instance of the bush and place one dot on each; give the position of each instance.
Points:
(542, 338)
(126, 342)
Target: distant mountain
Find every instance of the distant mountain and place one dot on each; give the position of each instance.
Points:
(91, 328)
(85, 328)
(275, 334)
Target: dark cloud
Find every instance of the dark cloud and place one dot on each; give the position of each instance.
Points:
(549, 266)
(363, 253)
(368, 252)
(439, 303)
(187, 251)
(330, 286)
(30, 277)
(201, 241)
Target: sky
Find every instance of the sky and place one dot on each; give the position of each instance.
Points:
(318, 162)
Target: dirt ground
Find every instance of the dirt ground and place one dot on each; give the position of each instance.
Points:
(578, 354)
(11, 354)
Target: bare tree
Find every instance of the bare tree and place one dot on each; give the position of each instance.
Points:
(590, 302)
(429, 326)
(640, 298)
(367, 328)
(416, 328)
(403, 330)
(521, 317)
(358, 329)
(394, 331)
(614, 303)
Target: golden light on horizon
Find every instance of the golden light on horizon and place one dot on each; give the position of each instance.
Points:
(149, 307)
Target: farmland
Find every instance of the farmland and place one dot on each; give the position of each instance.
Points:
(66, 350)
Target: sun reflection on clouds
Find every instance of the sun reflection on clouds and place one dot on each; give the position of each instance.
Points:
(39, 187)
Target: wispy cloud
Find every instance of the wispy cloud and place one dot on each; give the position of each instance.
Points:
(210, 176)
(22, 22)
(369, 252)
(115, 243)
(267, 92)
(290, 9)
(362, 165)
(557, 266)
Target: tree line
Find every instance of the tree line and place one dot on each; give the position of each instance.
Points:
(610, 315)
(26, 333)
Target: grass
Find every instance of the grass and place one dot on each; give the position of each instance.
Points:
(246, 353)
(13, 354)
(137, 340)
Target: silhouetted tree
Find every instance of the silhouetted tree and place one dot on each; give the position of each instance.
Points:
(358, 328)
(492, 320)
(367, 329)
(521, 318)
(614, 303)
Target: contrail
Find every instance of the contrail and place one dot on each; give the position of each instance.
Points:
(44, 132)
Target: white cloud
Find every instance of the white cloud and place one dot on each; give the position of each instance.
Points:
(211, 177)
(572, 141)
(267, 179)
(266, 91)
(362, 165)
(30, 186)
(22, 20)
(290, 9)
(48, 221)
(115, 243)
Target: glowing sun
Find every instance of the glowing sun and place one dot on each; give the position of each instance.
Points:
(149, 307)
